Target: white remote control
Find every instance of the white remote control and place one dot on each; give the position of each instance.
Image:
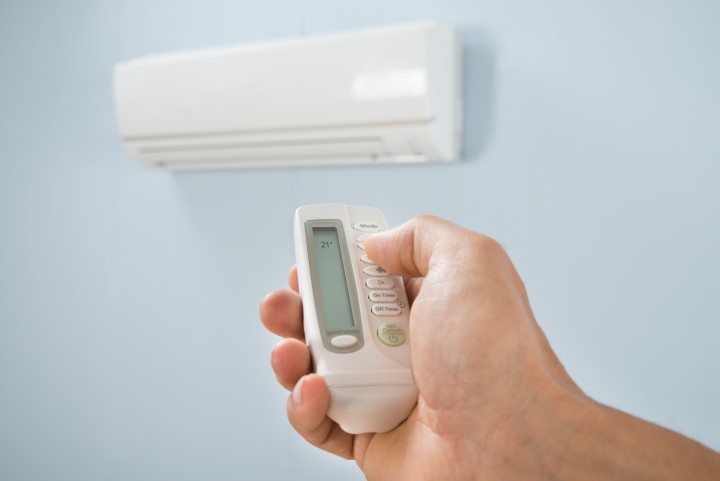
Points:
(356, 318)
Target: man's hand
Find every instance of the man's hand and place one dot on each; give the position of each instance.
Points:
(494, 403)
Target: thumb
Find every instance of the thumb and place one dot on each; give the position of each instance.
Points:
(410, 249)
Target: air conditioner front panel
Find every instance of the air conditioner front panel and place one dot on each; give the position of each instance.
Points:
(382, 95)
(315, 83)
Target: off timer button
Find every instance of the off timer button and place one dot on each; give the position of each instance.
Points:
(391, 334)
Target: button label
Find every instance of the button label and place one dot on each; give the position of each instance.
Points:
(376, 271)
(367, 227)
(380, 283)
(386, 310)
(383, 296)
(391, 334)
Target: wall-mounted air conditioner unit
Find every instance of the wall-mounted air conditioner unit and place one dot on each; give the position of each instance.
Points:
(385, 95)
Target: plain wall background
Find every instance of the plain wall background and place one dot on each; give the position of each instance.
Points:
(130, 345)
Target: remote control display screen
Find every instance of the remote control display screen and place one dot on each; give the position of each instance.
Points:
(330, 272)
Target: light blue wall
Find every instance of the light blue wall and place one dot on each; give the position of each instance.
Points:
(130, 346)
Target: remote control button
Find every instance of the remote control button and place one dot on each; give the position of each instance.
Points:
(391, 334)
(376, 271)
(344, 340)
(367, 227)
(383, 296)
(386, 309)
(361, 245)
(362, 237)
(366, 259)
(380, 283)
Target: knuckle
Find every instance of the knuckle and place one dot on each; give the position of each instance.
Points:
(487, 247)
(425, 219)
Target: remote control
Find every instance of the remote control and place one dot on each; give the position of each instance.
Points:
(355, 318)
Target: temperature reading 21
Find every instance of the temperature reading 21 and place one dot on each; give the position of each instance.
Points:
(325, 244)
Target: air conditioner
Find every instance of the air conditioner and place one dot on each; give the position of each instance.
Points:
(384, 95)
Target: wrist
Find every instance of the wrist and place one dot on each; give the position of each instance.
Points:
(532, 439)
(566, 436)
(548, 434)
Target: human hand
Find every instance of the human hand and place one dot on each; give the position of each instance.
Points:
(494, 400)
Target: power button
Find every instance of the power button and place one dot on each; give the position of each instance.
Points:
(391, 334)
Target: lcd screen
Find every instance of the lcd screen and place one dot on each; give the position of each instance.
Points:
(334, 299)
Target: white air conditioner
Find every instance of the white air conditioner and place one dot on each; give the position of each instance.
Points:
(385, 95)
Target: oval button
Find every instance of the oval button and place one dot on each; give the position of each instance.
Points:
(361, 245)
(380, 283)
(386, 309)
(383, 296)
(366, 259)
(391, 334)
(344, 340)
(367, 227)
(376, 271)
(362, 238)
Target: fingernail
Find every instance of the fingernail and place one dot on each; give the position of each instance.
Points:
(297, 392)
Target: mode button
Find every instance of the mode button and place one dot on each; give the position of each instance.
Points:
(367, 227)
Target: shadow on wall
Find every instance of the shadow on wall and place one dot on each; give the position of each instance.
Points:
(479, 85)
